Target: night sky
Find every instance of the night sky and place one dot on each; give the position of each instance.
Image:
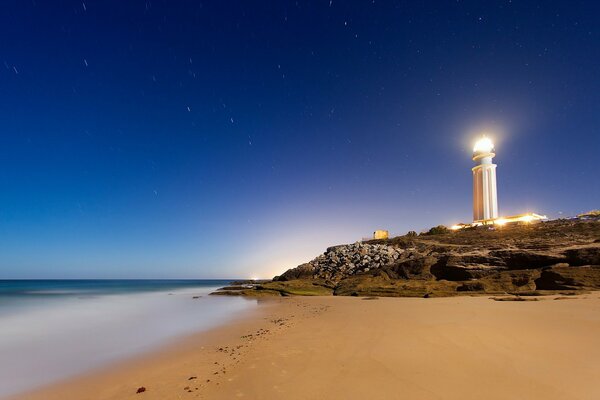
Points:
(188, 139)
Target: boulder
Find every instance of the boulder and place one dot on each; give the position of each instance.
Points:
(564, 277)
(455, 267)
(462, 272)
(471, 287)
(511, 281)
(304, 271)
(523, 259)
(366, 285)
(583, 255)
(416, 268)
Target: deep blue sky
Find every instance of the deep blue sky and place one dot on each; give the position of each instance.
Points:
(239, 138)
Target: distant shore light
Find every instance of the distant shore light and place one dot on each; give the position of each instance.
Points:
(484, 145)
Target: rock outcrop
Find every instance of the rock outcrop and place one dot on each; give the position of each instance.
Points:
(552, 256)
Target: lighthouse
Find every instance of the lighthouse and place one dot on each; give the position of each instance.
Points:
(485, 197)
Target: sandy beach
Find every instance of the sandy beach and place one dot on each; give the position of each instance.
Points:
(383, 348)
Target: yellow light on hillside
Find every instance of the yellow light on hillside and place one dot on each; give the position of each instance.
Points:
(500, 221)
(528, 218)
(483, 145)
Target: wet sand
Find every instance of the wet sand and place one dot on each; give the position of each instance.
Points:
(386, 348)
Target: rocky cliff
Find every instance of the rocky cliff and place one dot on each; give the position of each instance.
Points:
(561, 255)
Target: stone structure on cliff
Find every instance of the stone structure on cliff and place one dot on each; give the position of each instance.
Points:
(381, 234)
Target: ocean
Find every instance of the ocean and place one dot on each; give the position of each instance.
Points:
(53, 329)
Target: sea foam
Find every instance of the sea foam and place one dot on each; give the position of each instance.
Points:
(57, 338)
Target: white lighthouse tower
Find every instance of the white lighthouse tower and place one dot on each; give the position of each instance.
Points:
(485, 197)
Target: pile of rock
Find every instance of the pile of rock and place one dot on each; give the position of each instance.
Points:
(340, 262)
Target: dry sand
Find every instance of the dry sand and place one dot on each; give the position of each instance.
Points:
(387, 348)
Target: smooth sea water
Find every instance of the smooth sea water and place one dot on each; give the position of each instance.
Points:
(53, 329)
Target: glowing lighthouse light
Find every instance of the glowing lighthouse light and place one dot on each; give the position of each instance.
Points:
(485, 198)
(484, 144)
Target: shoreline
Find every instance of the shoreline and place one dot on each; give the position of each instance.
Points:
(176, 350)
(349, 347)
(49, 340)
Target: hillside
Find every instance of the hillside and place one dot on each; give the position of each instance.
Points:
(549, 257)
